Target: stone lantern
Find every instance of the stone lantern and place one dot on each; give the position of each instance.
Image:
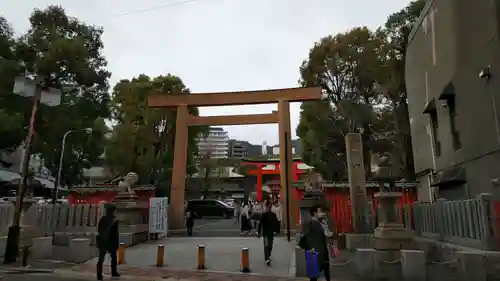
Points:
(131, 212)
(390, 234)
(313, 194)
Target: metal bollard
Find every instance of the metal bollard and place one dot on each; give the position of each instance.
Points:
(121, 253)
(245, 261)
(26, 253)
(160, 252)
(201, 257)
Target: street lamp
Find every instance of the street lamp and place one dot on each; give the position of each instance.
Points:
(59, 170)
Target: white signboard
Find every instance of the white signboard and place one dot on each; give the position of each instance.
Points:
(158, 215)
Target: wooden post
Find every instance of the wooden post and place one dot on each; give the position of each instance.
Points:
(356, 175)
(177, 190)
(286, 161)
(259, 183)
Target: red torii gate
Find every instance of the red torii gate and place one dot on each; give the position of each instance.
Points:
(261, 171)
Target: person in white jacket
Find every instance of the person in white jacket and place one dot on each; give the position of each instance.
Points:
(276, 208)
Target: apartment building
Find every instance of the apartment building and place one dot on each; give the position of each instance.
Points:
(238, 149)
(216, 143)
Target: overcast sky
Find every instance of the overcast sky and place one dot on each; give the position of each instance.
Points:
(215, 45)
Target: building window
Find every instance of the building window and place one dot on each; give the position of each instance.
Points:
(455, 134)
(435, 137)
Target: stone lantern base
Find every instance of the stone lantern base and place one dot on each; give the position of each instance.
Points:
(133, 219)
(390, 234)
(392, 237)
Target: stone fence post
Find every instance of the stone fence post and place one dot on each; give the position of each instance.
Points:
(440, 218)
(487, 221)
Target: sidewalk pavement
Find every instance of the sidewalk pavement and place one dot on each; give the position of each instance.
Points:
(87, 272)
(221, 255)
(34, 266)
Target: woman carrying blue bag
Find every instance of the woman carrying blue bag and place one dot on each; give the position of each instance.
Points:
(314, 240)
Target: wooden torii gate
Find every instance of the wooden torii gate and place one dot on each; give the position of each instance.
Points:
(182, 101)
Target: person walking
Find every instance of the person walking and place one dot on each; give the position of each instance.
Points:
(268, 228)
(256, 215)
(315, 238)
(190, 216)
(108, 240)
(276, 208)
(237, 212)
(245, 219)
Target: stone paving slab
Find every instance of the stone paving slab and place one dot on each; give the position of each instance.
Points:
(222, 254)
(166, 274)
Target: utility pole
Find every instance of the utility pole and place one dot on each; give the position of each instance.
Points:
(12, 247)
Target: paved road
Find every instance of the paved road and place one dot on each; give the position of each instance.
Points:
(212, 228)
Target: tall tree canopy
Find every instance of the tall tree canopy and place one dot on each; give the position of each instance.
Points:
(143, 138)
(67, 54)
(396, 31)
(345, 66)
(362, 76)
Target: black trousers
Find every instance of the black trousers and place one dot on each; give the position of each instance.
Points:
(189, 227)
(100, 261)
(268, 246)
(325, 268)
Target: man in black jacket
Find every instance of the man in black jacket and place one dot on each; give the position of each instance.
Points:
(108, 240)
(315, 237)
(268, 227)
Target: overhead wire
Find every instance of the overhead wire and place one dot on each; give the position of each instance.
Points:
(155, 8)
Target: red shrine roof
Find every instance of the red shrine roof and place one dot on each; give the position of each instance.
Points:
(301, 184)
(106, 187)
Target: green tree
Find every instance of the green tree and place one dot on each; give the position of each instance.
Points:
(11, 127)
(66, 54)
(396, 32)
(346, 67)
(143, 138)
(321, 132)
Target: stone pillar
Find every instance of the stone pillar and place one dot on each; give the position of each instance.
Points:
(413, 267)
(28, 231)
(471, 265)
(365, 263)
(286, 161)
(177, 190)
(356, 176)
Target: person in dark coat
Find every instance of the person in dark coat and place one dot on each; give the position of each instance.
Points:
(268, 227)
(190, 216)
(316, 238)
(108, 241)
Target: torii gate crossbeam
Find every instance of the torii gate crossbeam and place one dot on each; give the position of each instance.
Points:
(282, 97)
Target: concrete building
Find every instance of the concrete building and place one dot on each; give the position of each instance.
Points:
(216, 143)
(453, 80)
(238, 149)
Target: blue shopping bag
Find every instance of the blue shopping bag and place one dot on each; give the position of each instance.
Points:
(312, 264)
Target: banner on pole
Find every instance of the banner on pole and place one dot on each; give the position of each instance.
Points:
(158, 215)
